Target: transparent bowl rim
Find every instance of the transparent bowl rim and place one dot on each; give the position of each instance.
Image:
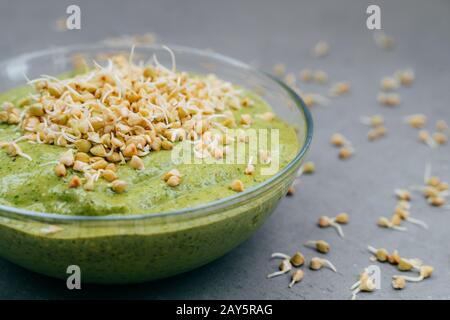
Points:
(212, 206)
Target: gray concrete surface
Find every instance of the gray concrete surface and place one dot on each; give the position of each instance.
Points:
(263, 33)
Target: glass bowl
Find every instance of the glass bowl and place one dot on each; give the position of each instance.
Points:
(137, 248)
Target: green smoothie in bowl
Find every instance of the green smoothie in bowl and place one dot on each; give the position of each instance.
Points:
(137, 171)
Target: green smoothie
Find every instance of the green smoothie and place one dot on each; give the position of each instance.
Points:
(120, 250)
(22, 181)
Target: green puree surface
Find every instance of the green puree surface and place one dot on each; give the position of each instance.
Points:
(33, 185)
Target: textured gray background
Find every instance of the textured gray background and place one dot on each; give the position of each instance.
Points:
(263, 33)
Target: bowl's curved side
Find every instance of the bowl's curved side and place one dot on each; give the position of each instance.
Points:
(130, 252)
